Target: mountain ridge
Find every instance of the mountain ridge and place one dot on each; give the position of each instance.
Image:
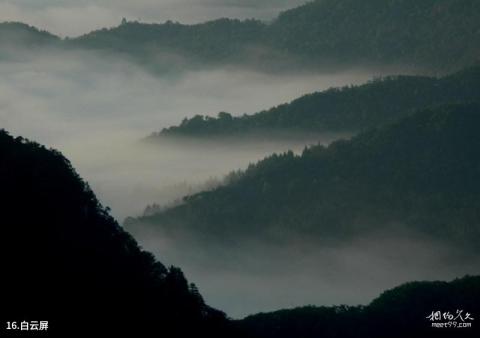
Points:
(405, 172)
(399, 312)
(345, 109)
(438, 36)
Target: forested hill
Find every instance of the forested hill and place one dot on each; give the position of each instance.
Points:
(351, 108)
(216, 42)
(436, 33)
(428, 35)
(400, 312)
(19, 35)
(420, 173)
(66, 260)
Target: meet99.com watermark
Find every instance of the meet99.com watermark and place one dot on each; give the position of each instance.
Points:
(459, 319)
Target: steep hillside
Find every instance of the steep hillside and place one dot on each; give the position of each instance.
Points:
(437, 33)
(66, 260)
(420, 173)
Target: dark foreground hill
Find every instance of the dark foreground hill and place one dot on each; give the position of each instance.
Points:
(347, 109)
(65, 260)
(420, 173)
(400, 312)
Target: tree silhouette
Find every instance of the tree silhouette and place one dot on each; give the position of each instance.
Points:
(66, 260)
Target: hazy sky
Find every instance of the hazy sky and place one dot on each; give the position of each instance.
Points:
(74, 17)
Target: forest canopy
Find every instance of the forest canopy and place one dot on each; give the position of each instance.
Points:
(407, 173)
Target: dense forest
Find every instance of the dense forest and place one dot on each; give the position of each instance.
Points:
(433, 35)
(420, 173)
(438, 34)
(347, 109)
(66, 260)
(399, 312)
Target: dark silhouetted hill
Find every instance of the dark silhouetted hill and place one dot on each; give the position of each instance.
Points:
(66, 260)
(400, 312)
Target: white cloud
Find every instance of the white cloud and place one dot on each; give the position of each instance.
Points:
(94, 109)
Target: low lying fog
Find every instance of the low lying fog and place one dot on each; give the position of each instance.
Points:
(97, 109)
(257, 277)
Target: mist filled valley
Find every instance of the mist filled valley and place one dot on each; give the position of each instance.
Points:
(97, 111)
(260, 276)
(293, 166)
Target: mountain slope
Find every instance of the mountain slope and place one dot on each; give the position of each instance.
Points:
(440, 35)
(66, 260)
(420, 173)
(399, 312)
(437, 33)
(349, 109)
